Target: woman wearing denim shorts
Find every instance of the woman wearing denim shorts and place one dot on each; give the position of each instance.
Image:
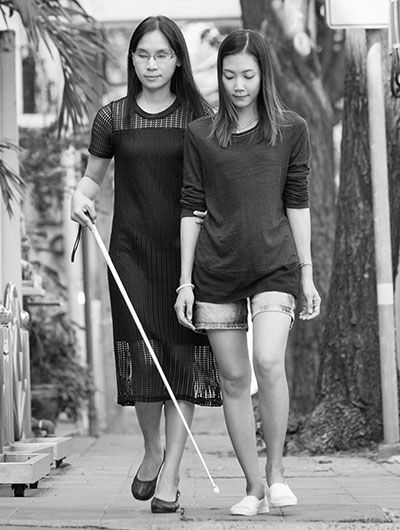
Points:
(249, 168)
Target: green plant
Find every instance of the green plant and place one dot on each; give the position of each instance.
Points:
(54, 359)
(74, 38)
(11, 183)
(78, 42)
(41, 153)
(53, 343)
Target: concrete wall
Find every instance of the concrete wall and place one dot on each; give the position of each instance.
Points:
(10, 247)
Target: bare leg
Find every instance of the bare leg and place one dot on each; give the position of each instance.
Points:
(230, 348)
(149, 417)
(175, 438)
(270, 332)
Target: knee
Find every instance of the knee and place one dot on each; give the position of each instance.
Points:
(269, 367)
(234, 384)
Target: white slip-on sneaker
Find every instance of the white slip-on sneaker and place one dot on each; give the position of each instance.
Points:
(280, 494)
(250, 505)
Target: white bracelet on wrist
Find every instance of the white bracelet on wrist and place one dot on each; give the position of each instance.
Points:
(304, 263)
(183, 286)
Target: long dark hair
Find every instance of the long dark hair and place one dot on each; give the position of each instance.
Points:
(271, 111)
(182, 82)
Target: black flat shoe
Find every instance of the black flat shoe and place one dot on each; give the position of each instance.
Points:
(160, 506)
(143, 490)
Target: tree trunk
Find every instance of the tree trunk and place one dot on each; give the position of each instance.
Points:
(348, 391)
(253, 12)
(349, 412)
(299, 81)
(393, 132)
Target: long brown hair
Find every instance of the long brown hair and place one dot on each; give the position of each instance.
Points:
(182, 82)
(272, 113)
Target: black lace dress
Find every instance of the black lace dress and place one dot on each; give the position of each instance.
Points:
(144, 247)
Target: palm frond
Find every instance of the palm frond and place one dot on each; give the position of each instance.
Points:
(81, 46)
(11, 183)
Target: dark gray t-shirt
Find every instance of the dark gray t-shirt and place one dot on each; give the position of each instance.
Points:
(245, 188)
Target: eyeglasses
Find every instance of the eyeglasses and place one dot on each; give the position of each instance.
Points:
(160, 58)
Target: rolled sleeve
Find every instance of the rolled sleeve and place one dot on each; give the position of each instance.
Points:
(193, 196)
(296, 192)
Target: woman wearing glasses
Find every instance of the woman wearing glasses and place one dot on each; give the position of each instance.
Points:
(144, 133)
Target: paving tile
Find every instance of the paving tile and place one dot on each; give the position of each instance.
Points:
(92, 489)
(336, 512)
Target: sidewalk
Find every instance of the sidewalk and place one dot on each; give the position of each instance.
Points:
(91, 489)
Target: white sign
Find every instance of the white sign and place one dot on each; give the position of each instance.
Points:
(368, 14)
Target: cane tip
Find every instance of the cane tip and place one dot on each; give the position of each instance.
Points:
(216, 489)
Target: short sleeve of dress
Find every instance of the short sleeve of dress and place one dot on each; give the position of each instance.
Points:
(101, 144)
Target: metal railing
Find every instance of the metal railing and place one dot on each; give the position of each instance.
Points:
(15, 413)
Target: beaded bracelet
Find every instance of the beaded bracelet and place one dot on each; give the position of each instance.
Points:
(304, 263)
(184, 285)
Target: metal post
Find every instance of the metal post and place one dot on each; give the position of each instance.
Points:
(92, 411)
(90, 266)
(10, 248)
(74, 271)
(2, 339)
(383, 254)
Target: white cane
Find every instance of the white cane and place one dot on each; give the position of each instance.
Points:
(99, 241)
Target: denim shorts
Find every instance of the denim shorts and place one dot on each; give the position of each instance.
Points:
(234, 315)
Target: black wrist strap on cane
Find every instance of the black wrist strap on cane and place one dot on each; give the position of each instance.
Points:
(76, 244)
(78, 239)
